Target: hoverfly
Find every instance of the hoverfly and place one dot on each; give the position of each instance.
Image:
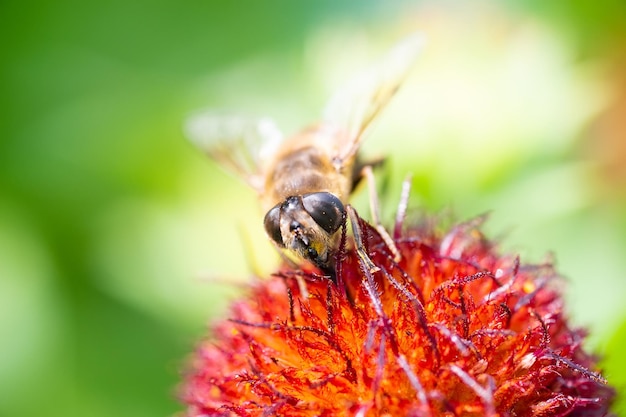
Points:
(304, 181)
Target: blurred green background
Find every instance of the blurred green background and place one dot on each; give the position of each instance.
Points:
(119, 242)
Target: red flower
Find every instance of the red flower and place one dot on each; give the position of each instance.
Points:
(453, 329)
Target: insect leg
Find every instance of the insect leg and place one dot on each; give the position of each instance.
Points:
(375, 207)
(358, 241)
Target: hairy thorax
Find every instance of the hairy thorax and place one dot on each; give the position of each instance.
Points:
(300, 170)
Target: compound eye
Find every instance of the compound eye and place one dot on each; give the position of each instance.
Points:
(272, 225)
(326, 209)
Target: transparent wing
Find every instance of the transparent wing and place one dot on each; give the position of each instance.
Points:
(355, 106)
(239, 144)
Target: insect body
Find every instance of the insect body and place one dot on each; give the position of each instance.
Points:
(304, 191)
(304, 182)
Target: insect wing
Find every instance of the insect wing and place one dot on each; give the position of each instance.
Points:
(354, 107)
(239, 144)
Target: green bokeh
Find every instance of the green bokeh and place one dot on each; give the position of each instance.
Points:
(106, 212)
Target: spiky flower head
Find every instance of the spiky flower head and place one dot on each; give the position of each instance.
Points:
(452, 329)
